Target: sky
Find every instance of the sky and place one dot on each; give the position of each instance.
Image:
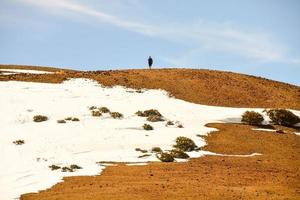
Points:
(257, 37)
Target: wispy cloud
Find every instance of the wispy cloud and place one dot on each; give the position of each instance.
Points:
(200, 35)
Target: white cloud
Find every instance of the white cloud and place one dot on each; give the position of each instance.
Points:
(209, 36)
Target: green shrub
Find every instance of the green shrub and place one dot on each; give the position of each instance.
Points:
(104, 110)
(67, 169)
(75, 119)
(156, 150)
(61, 121)
(147, 127)
(147, 113)
(179, 126)
(252, 118)
(145, 155)
(179, 154)
(185, 144)
(40, 118)
(75, 167)
(169, 123)
(54, 167)
(283, 117)
(19, 142)
(96, 113)
(165, 157)
(116, 115)
(92, 107)
(154, 118)
(141, 150)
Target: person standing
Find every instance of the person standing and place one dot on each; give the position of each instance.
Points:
(150, 62)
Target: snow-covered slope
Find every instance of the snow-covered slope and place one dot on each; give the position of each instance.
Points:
(25, 168)
(20, 71)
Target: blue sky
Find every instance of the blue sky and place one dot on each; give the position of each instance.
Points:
(258, 37)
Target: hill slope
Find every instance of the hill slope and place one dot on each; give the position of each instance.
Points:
(207, 87)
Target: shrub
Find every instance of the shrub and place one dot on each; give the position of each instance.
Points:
(145, 155)
(169, 123)
(104, 110)
(75, 119)
(96, 113)
(75, 167)
(154, 118)
(92, 107)
(147, 113)
(147, 127)
(68, 118)
(165, 157)
(19, 142)
(141, 150)
(116, 115)
(67, 169)
(179, 154)
(252, 118)
(40, 118)
(140, 113)
(283, 117)
(179, 126)
(156, 150)
(61, 121)
(54, 167)
(185, 144)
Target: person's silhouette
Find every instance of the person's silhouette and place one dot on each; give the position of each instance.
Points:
(150, 62)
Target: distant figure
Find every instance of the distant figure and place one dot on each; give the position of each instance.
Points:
(150, 62)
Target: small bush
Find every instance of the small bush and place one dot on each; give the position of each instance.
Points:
(69, 118)
(96, 113)
(141, 150)
(140, 113)
(252, 118)
(116, 115)
(147, 113)
(75, 119)
(179, 154)
(61, 121)
(19, 142)
(156, 150)
(40, 118)
(67, 169)
(165, 157)
(154, 118)
(169, 123)
(92, 107)
(185, 144)
(147, 127)
(283, 117)
(179, 126)
(145, 155)
(75, 167)
(54, 167)
(104, 110)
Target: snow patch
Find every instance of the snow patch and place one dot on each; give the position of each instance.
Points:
(18, 71)
(25, 168)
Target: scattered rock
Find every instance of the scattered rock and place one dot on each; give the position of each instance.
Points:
(169, 123)
(145, 155)
(96, 113)
(155, 118)
(141, 150)
(104, 110)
